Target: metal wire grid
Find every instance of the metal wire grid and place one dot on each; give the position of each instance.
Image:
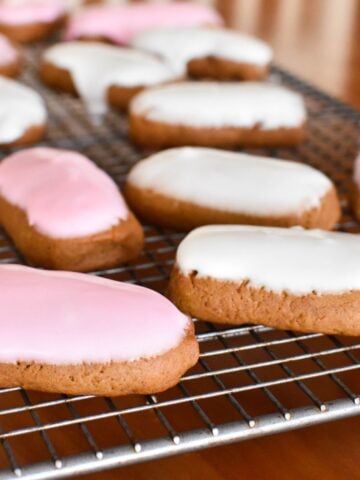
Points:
(250, 380)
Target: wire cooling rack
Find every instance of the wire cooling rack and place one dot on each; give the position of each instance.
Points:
(250, 381)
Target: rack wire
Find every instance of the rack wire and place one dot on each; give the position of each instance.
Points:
(250, 380)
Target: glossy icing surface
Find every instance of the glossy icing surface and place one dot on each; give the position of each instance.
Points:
(71, 318)
(30, 11)
(294, 260)
(235, 182)
(179, 45)
(8, 53)
(119, 23)
(215, 104)
(20, 109)
(62, 192)
(94, 67)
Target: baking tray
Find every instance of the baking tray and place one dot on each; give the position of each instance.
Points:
(250, 381)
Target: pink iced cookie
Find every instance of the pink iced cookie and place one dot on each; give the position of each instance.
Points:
(9, 57)
(30, 20)
(63, 193)
(8, 53)
(30, 11)
(64, 213)
(120, 23)
(89, 334)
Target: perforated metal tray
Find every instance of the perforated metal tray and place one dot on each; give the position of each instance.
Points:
(250, 381)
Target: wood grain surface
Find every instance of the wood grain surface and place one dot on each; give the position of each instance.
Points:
(319, 41)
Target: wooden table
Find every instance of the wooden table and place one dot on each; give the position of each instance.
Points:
(318, 40)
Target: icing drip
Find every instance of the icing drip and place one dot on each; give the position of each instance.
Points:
(94, 67)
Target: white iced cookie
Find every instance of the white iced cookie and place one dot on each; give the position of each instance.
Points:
(223, 52)
(22, 113)
(188, 187)
(217, 114)
(91, 69)
(307, 280)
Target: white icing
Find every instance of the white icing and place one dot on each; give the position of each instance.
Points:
(214, 104)
(357, 171)
(179, 45)
(94, 67)
(20, 109)
(278, 259)
(234, 182)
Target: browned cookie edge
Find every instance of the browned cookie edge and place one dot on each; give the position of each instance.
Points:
(158, 135)
(143, 376)
(218, 68)
(236, 303)
(106, 249)
(170, 212)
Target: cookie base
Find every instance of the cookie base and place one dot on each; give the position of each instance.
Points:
(143, 376)
(27, 33)
(11, 69)
(158, 135)
(237, 303)
(169, 212)
(103, 250)
(221, 69)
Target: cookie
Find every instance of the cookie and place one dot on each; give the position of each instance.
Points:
(64, 213)
(31, 20)
(186, 187)
(292, 279)
(119, 23)
(89, 336)
(10, 59)
(206, 52)
(101, 73)
(23, 114)
(213, 114)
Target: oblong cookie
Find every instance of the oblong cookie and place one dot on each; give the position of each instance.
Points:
(101, 73)
(184, 188)
(217, 115)
(23, 114)
(89, 335)
(10, 59)
(63, 212)
(32, 20)
(119, 23)
(207, 52)
(305, 280)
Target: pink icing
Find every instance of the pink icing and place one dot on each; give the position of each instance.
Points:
(119, 23)
(31, 11)
(62, 192)
(71, 318)
(8, 53)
